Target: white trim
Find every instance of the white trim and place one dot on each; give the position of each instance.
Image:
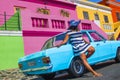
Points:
(110, 33)
(10, 33)
(113, 3)
(88, 3)
(93, 8)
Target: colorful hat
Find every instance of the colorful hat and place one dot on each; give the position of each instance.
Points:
(74, 23)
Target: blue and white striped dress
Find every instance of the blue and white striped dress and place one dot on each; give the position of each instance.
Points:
(79, 45)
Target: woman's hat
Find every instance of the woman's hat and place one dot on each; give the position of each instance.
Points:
(74, 23)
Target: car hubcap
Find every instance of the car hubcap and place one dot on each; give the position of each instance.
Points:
(78, 67)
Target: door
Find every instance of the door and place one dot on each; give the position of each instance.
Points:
(97, 21)
(94, 58)
(103, 48)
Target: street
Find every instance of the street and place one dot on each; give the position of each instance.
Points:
(109, 69)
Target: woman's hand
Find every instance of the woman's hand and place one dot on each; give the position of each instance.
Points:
(58, 45)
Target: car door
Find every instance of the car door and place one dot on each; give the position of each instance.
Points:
(103, 48)
(94, 58)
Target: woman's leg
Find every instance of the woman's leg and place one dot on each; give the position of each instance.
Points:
(90, 50)
(84, 59)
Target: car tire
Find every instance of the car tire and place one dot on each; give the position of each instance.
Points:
(76, 68)
(49, 76)
(117, 59)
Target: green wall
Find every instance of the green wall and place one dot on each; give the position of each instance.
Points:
(11, 49)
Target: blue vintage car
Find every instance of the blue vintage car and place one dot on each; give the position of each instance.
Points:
(53, 59)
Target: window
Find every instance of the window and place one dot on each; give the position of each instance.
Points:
(85, 14)
(54, 41)
(16, 9)
(85, 36)
(48, 44)
(96, 16)
(96, 37)
(39, 22)
(106, 19)
(58, 24)
(118, 16)
(86, 26)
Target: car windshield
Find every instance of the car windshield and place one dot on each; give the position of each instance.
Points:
(96, 37)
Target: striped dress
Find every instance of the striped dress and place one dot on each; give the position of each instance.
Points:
(79, 46)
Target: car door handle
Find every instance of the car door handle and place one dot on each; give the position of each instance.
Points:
(97, 44)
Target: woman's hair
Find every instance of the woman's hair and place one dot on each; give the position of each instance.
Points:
(73, 28)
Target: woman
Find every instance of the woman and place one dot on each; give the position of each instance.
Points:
(79, 45)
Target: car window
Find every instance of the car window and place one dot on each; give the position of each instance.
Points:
(53, 41)
(96, 37)
(48, 44)
(58, 39)
(85, 36)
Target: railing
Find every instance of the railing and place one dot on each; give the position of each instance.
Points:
(10, 22)
(107, 26)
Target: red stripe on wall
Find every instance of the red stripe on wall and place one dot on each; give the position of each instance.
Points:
(40, 33)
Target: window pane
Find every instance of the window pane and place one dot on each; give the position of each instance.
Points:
(118, 16)
(58, 24)
(85, 14)
(48, 44)
(96, 16)
(39, 22)
(106, 19)
(85, 36)
(58, 39)
(95, 36)
(86, 26)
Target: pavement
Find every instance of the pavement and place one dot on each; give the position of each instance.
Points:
(109, 69)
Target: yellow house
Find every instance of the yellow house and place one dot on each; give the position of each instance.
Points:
(100, 14)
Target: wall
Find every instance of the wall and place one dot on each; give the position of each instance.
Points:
(114, 5)
(11, 49)
(91, 11)
(35, 37)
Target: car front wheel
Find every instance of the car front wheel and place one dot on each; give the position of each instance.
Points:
(76, 68)
(117, 59)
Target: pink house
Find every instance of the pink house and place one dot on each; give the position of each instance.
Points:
(42, 19)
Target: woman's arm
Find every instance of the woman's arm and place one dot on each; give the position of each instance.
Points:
(64, 41)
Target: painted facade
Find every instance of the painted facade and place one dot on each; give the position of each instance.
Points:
(115, 6)
(11, 49)
(44, 21)
(39, 21)
(100, 14)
